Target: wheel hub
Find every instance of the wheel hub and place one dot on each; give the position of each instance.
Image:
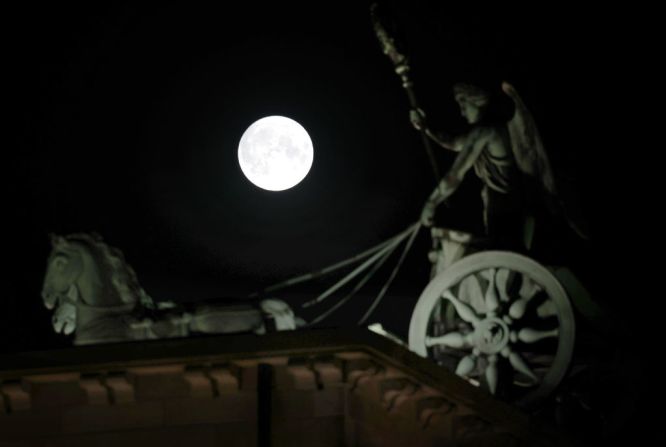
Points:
(491, 335)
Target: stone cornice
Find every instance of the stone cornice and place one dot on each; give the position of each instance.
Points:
(382, 380)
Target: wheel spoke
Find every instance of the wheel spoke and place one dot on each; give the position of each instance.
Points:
(466, 365)
(528, 290)
(451, 340)
(491, 300)
(502, 279)
(518, 308)
(464, 310)
(547, 309)
(519, 365)
(529, 335)
(491, 373)
(470, 292)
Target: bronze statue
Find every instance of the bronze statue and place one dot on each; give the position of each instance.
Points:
(501, 155)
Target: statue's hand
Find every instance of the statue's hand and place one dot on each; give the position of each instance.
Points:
(417, 118)
(444, 189)
(428, 214)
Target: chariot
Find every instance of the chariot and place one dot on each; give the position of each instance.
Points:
(498, 319)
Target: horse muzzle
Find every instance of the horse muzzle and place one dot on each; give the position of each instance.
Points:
(64, 318)
(50, 299)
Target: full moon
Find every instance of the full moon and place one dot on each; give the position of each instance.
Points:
(275, 153)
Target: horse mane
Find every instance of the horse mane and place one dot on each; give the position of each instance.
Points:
(122, 276)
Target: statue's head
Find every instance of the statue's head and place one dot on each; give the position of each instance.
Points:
(472, 100)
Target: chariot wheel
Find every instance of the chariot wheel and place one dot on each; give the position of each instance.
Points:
(499, 320)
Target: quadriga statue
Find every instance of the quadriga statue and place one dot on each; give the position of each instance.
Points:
(96, 296)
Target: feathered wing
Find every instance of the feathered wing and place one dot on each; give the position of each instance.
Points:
(526, 143)
(531, 156)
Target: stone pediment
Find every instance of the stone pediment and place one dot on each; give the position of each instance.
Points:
(320, 387)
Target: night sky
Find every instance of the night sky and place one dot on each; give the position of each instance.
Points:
(126, 121)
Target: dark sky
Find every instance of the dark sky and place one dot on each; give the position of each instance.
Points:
(126, 121)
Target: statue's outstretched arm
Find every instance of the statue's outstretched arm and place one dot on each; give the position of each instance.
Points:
(470, 146)
(443, 140)
(417, 118)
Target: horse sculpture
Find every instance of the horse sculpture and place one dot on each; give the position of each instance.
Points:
(96, 296)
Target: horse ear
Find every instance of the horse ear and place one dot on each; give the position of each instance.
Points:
(57, 241)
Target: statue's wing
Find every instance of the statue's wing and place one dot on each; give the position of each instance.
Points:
(532, 159)
(526, 142)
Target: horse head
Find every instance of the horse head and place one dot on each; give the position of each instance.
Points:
(87, 281)
(94, 292)
(59, 291)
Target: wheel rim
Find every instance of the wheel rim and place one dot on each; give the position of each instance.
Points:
(498, 319)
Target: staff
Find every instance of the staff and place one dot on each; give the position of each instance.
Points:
(401, 65)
